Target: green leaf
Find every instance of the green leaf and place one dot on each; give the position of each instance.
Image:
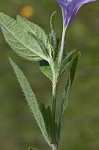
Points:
(67, 89)
(52, 37)
(20, 40)
(46, 69)
(51, 126)
(33, 28)
(70, 80)
(47, 115)
(67, 60)
(37, 32)
(31, 99)
(73, 68)
(41, 44)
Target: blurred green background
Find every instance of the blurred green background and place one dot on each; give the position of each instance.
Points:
(80, 128)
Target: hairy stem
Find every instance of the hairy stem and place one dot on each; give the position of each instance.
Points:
(54, 89)
(54, 147)
(62, 47)
(53, 100)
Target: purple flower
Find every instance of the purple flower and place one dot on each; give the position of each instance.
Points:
(70, 8)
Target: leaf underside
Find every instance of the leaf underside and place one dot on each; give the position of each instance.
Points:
(18, 36)
(46, 69)
(37, 33)
(34, 29)
(67, 60)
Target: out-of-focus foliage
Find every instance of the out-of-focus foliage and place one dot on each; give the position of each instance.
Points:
(80, 128)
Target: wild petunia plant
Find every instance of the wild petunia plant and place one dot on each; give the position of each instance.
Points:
(31, 42)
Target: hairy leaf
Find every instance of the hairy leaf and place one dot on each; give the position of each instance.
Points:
(20, 40)
(52, 37)
(47, 115)
(67, 89)
(37, 32)
(33, 28)
(67, 60)
(41, 44)
(46, 69)
(31, 99)
(51, 126)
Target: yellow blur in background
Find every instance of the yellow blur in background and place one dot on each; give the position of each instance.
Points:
(26, 11)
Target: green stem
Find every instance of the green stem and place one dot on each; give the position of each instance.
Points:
(53, 100)
(54, 147)
(54, 89)
(56, 73)
(62, 47)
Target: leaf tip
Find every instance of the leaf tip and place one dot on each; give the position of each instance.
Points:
(11, 61)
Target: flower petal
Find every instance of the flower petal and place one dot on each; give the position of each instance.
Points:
(70, 8)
